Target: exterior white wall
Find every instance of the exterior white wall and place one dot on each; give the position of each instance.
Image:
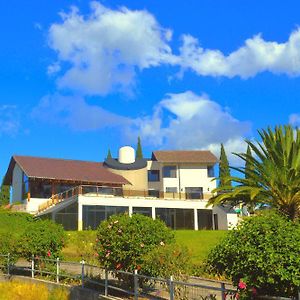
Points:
(142, 202)
(225, 220)
(33, 204)
(17, 184)
(192, 175)
(188, 175)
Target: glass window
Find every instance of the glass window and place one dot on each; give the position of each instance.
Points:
(210, 171)
(93, 215)
(171, 189)
(153, 175)
(194, 192)
(153, 193)
(176, 218)
(146, 211)
(68, 217)
(169, 171)
(205, 218)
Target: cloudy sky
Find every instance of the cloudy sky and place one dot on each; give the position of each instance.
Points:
(79, 77)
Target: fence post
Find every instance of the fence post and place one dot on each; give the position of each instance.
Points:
(82, 273)
(32, 266)
(8, 263)
(223, 291)
(57, 269)
(106, 283)
(171, 288)
(136, 284)
(299, 293)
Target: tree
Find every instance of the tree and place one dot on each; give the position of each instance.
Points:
(139, 151)
(263, 253)
(224, 171)
(4, 194)
(272, 176)
(108, 154)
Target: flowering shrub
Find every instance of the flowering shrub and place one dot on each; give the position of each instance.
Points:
(166, 261)
(122, 241)
(261, 256)
(42, 238)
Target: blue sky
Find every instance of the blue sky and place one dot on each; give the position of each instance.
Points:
(80, 77)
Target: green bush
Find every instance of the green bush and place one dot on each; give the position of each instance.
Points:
(42, 238)
(261, 255)
(166, 261)
(122, 241)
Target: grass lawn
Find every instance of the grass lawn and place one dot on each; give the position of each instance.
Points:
(199, 242)
(81, 243)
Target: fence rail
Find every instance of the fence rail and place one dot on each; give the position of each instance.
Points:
(117, 282)
(107, 191)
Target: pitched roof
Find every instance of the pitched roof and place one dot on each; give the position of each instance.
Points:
(62, 169)
(196, 156)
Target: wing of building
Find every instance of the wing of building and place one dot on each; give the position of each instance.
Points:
(173, 186)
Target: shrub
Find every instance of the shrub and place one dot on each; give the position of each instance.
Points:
(166, 261)
(42, 238)
(261, 255)
(122, 240)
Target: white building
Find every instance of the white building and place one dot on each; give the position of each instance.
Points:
(173, 186)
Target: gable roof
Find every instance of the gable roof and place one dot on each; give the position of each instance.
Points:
(63, 169)
(196, 156)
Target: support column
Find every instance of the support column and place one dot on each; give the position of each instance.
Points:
(130, 210)
(79, 216)
(153, 213)
(195, 219)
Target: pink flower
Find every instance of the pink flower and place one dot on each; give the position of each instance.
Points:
(48, 253)
(96, 254)
(242, 285)
(254, 291)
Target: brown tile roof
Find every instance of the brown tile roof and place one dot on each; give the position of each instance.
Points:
(196, 156)
(63, 169)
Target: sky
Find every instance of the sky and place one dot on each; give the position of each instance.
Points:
(80, 77)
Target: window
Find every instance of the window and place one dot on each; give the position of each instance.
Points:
(171, 189)
(153, 175)
(176, 218)
(153, 193)
(194, 192)
(169, 171)
(146, 211)
(210, 171)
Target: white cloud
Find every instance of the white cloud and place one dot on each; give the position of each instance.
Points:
(256, 56)
(54, 68)
(75, 113)
(9, 120)
(105, 49)
(294, 119)
(194, 122)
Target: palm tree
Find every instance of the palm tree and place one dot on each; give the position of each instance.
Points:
(273, 173)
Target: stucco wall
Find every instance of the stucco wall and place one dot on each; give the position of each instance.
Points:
(17, 184)
(137, 178)
(225, 220)
(187, 175)
(33, 204)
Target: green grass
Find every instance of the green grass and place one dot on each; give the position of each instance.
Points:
(199, 242)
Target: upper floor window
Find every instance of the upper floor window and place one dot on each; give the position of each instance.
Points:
(171, 189)
(153, 175)
(169, 171)
(210, 171)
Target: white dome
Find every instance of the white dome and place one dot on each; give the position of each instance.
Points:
(126, 155)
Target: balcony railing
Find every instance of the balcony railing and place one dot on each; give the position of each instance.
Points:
(106, 191)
